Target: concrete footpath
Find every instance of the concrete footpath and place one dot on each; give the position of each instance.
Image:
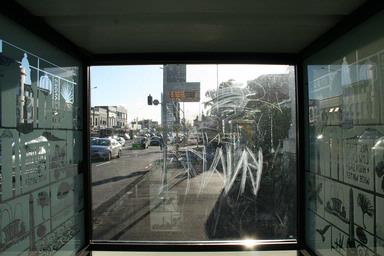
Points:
(146, 212)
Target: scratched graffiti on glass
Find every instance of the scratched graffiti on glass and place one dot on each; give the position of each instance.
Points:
(221, 164)
(235, 142)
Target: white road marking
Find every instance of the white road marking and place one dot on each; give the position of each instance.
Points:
(102, 164)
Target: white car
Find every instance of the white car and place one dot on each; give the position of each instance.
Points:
(105, 148)
(121, 140)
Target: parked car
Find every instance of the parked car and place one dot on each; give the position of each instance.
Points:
(121, 140)
(155, 141)
(105, 148)
(140, 143)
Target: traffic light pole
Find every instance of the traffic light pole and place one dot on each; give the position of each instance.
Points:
(165, 131)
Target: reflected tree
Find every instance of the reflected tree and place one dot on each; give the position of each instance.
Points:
(260, 118)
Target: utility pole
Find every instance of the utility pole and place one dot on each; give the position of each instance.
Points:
(184, 126)
(164, 122)
(176, 109)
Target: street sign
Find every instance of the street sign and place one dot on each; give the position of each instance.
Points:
(183, 92)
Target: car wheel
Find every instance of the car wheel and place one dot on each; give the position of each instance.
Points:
(109, 156)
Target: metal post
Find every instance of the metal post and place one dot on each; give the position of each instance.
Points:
(165, 130)
(184, 126)
(176, 106)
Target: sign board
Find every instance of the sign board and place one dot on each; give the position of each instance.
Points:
(183, 92)
(175, 73)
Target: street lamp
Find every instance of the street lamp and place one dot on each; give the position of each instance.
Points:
(93, 110)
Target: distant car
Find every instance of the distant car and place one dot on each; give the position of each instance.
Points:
(105, 148)
(121, 140)
(155, 141)
(140, 143)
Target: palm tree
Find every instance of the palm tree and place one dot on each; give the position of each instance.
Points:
(365, 205)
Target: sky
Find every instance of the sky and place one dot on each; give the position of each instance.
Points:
(129, 86)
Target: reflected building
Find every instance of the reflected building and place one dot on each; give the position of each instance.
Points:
(345, 134)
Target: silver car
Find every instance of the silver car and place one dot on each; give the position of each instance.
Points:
(121, 140)
(105, 148)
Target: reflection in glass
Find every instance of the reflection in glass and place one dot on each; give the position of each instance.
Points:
(208, 153)
(344, 190)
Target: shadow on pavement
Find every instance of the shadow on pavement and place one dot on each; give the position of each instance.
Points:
(118, 178)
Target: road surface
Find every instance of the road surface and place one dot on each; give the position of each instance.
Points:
(110, 177)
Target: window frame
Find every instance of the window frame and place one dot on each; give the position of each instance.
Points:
(38, 26)
(206, 58)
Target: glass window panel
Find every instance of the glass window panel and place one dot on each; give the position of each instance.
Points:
(41, 185)
(344, 185)
(210, 155)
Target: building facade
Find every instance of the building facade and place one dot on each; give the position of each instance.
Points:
(121, 117)
(99, 118)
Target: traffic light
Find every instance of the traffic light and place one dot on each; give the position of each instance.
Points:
(149, 99)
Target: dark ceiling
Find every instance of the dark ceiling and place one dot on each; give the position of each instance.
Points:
(131, 26)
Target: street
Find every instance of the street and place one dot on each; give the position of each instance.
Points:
(128, 203)
(110, 177)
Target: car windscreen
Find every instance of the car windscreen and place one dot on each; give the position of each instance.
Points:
(101, 142)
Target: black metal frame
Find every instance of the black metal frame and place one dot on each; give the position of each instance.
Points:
(38, 26)
(86, 154)
(277, 245)
(194, 58)
(300, 198)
